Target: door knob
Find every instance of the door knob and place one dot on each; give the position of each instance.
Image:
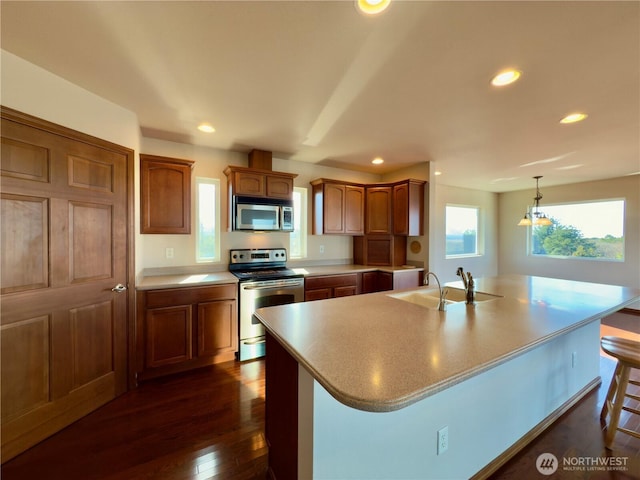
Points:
(119, 288)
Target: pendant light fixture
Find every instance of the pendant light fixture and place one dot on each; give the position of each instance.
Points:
(535, 217)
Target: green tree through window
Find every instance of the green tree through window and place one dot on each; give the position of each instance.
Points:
(564, 239)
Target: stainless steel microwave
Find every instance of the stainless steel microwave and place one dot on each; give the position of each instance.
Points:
(263, 215)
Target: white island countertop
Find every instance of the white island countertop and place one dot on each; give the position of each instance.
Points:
(379, 353)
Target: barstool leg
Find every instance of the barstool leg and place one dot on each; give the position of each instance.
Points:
(612, 427)
(613, 386)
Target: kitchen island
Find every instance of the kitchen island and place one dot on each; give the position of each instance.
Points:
(359, 387)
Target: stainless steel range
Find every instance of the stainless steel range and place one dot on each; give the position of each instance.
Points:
(265, 281)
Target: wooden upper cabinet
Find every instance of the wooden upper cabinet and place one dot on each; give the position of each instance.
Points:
(408, 208)
(252, 182)
(279, 186)
(395, 208)
(165, 195)
(354, 210)
(338, 208)
(379, 209)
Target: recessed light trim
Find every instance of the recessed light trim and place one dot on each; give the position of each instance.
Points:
(506, 77)
(206, 128)
(378, 161)
(372, 7)
(574, 117)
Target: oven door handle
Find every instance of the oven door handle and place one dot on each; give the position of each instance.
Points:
(271, 287)
(254, 342)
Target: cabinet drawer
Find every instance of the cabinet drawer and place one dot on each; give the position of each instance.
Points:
(180, 296)
(317, 294)
(344, 291)
(331, 281)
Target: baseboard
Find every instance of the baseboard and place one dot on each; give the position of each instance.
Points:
(503, 458)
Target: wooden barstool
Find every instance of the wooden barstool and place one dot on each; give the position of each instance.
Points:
(627, 352)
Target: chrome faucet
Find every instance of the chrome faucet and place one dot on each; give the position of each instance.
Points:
(469, 285)
(443, 293)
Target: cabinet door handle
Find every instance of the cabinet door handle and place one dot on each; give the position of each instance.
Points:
(119, 288)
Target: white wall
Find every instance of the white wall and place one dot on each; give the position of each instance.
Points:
(485, 415)
(483, 265)
(513, 257)
(30, 89)
(211, 162)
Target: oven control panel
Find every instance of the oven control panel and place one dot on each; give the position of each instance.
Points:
(258, 255)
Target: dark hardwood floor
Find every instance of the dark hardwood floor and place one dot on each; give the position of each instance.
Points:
(209, 424)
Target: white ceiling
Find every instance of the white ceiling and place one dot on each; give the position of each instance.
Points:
(316, 81)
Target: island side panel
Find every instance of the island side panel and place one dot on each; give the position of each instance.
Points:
(485, 415)
(281, 410)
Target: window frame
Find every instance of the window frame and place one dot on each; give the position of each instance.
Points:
(300, 215)
(479, 232)
(545, 209)
(217, 232)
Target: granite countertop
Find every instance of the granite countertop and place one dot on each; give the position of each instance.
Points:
(341, 269)
(185, 280)
(379, 353)
(151, 282)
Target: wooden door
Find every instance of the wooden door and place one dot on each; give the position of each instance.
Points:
(65, 226)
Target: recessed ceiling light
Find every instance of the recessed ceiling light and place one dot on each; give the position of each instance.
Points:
(574, 117)
(505, 78)
(372, 7)
(437, 172)
(206, 128)
(377, 161)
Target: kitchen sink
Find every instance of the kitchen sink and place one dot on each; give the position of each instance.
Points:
(430, 297)
(458, 295)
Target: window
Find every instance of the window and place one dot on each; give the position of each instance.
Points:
(208, 218)
(461, 231)
(298, 238)
(592, 230)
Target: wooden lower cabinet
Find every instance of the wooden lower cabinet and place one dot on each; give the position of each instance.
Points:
(217, 330)
(330, 286)
(183, 328)
(383, 281)
(168, 336)
(376, 282)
